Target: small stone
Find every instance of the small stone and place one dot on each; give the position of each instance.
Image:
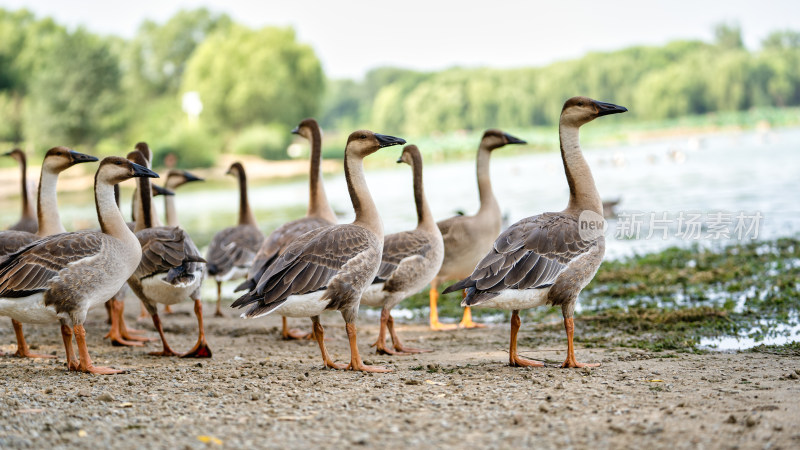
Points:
(752, 421)
(84, 393)
(413, 382)
(48, 391)
(560, 385)
(544, 409)
(199, 364)
(256, 396)
(731, 419)
(105, 397)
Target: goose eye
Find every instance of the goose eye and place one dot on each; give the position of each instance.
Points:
(117, 163)
(580, 103)
(363, 136)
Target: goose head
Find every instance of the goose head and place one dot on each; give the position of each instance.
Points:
(305, 128)
(364, 142)
(115, 170)
(58, 159)
(410, 155)
(493, 139)
(578, 111)
(236, 169)
(177, 178)
(144, 149)
(17, 154)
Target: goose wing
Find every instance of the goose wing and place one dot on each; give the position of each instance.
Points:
(165, 249)
(310, 263)
(232, 247)
(530, 254)
(29, 269)
(13, 240)
(276, 243)
(396, 248)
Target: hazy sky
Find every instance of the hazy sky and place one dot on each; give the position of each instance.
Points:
(352, 36)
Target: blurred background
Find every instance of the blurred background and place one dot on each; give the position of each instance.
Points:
(711, 87)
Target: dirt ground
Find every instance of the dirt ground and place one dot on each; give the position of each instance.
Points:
(259, 391)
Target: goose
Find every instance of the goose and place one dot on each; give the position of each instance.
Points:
(28, 220)
(410, 261)
(319, 215)
(467, 238)
(171, 269)
(59, 277)
(232, 250)
(549, 258)
(329, 267)
(48, 221)
(119, 334)
(174, 179)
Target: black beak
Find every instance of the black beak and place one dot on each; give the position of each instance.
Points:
(605, 109)
(189, 177)
(399, 160)
(388, 141)
(78, 158)
(514, 140)
(158, 190)
(142, 171)
(296, 130)
(8, 153)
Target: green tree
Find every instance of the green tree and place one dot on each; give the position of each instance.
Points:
(247, 77)
(157, 56)
(74, 94)
(728, 37)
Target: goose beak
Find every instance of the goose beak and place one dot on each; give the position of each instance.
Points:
(142, 172)
(189, 177)
(158, 190)
(296, 130)
(604, 109)
(8, 153)
(399, 160)
(513, 139)
(78, 158)
(388, 141)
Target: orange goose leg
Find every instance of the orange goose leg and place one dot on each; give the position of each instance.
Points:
(398, 346)
(355, 357)
(22, 347)
(319, 335)
(124, 331)
(167, 351)
(466, 320)
(115, 334)
(514, 360)
(85, 364)
(218, 313)
(142, 313)
(434, 314)
(200, 349)
(66, 335)
(168, 309)
(290, 334)
(570, 361)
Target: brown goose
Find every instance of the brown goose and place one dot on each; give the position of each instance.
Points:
(232, 250)
(319, 215)
(410, 261)
(58, 278)
(27, 222)
(468, 238)
(171, 269)
(548, 259)
(329, 267)
(56, 160)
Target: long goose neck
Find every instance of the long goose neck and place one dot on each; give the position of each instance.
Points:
(318, 205)
(424, 216)
(245, 214)
(366, 212)
(583, 193)
(47, 206)
(108, 213)
(144, 211)
(488, 201)
(27, 205)
(169, 208)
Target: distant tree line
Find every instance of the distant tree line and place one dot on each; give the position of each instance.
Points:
(83, 90)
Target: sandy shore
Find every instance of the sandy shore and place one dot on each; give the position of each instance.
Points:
(259, 391)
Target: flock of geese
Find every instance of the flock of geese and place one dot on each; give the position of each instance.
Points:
(306, 266)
